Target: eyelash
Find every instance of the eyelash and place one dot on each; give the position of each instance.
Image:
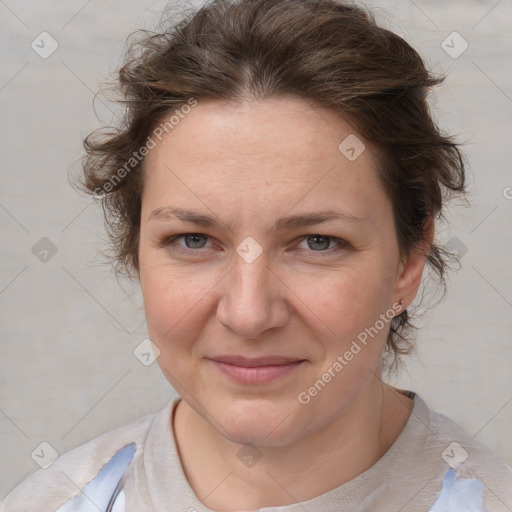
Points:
(170, 241)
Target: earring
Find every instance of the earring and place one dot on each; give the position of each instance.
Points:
(402, 303)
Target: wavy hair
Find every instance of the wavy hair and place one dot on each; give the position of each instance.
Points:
(331, 53)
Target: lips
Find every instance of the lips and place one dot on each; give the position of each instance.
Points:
(257, 371)
(249, 362)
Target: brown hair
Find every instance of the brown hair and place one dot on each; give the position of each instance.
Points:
(330, 53)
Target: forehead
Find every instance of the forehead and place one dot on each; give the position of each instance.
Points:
(284, 147)
(287, 127)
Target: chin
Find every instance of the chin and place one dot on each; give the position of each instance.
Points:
(259, 422)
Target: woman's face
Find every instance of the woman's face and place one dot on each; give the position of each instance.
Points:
(265, 275)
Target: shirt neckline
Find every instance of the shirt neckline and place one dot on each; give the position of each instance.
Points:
(166, 480)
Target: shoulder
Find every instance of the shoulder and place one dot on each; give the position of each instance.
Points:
(468, 461)
(73, 470)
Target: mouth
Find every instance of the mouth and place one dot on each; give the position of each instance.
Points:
(256, 370)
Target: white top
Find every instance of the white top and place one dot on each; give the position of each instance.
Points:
(433, 466)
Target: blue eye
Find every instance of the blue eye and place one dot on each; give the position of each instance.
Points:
(195, 242)
(192, 241)
(321, 242)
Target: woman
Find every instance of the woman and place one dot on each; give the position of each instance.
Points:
(274, 188)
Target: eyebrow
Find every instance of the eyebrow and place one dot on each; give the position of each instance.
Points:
(283, 223)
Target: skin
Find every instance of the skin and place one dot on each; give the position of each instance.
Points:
(246, 165)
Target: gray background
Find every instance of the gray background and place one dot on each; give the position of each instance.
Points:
(68, 372)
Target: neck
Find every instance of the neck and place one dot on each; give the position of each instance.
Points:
(336, 454)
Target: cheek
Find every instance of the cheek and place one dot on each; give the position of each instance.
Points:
(352, 301)
(350, 298)
(172, 301)
(173, 307)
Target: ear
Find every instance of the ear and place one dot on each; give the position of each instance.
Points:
(411, 270)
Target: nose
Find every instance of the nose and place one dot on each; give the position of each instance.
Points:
(253, 299)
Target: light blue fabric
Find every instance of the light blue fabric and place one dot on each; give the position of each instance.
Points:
(119, 504)
(101, 494)
(459, 495)
(97, 495)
